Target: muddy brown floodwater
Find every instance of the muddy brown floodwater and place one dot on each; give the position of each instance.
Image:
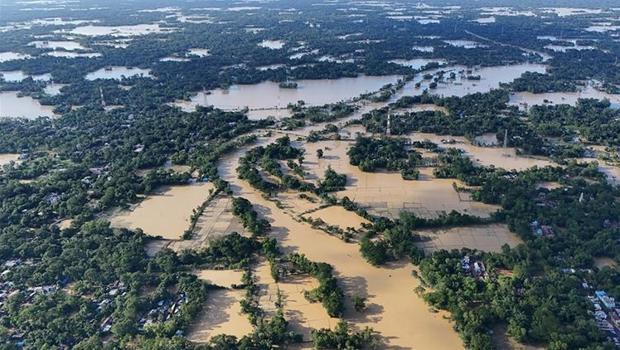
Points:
(401, 317)
(488, 238)
(165, 213)
(6, 158)
(386, 193)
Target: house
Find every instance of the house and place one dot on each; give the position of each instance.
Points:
(607, 301)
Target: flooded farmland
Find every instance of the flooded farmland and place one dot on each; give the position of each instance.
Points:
(386, 193)
(400, 316)
(165, 213)
(301, 313)
(488, 238)
(338, 216)
(221, 315)
(221, 278)
(499, 157)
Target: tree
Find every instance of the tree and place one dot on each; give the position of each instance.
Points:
(359, 303)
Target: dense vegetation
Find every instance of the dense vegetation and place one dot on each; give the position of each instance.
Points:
(386, 153)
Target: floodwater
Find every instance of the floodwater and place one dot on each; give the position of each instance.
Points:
(174, 59)
(221, 314)
(67, 54)
(605, 262)
(401, 317)
(217, 220)
(423, 107)
(504, 11)
(271, 66)
(466, 44)
(67, 45)
(198, 52)
(165, 213)
(418, 63)
(268, 95)
(386, 193)
(338, 216)
(53, 89)
(18, 75)
(489, 139)
(272, 44)
(120, 31)
(488, 238)
(221, 278)
(490, 78)
(423, 48)
(602, 28)
(485, 20)
(527, 99)
(6, 158)
(9, 56)
(498, 157)
(118, 72)
(612, 173)
(560, 48)
(571, 11)
(13, 106)
(302, 314)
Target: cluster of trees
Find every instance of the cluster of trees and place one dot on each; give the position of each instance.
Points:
(243, 209)
(538, 83)
(332, 181)
(591, 120)
(328, 292)
(470, 116)
(342, 337)
(550, 308)
(386, 153)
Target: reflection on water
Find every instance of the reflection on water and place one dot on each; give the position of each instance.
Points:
(13, 106)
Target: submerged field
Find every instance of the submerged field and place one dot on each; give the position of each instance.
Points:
(488, 238)
(387, 194)
(166, 213)
(401, 324)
